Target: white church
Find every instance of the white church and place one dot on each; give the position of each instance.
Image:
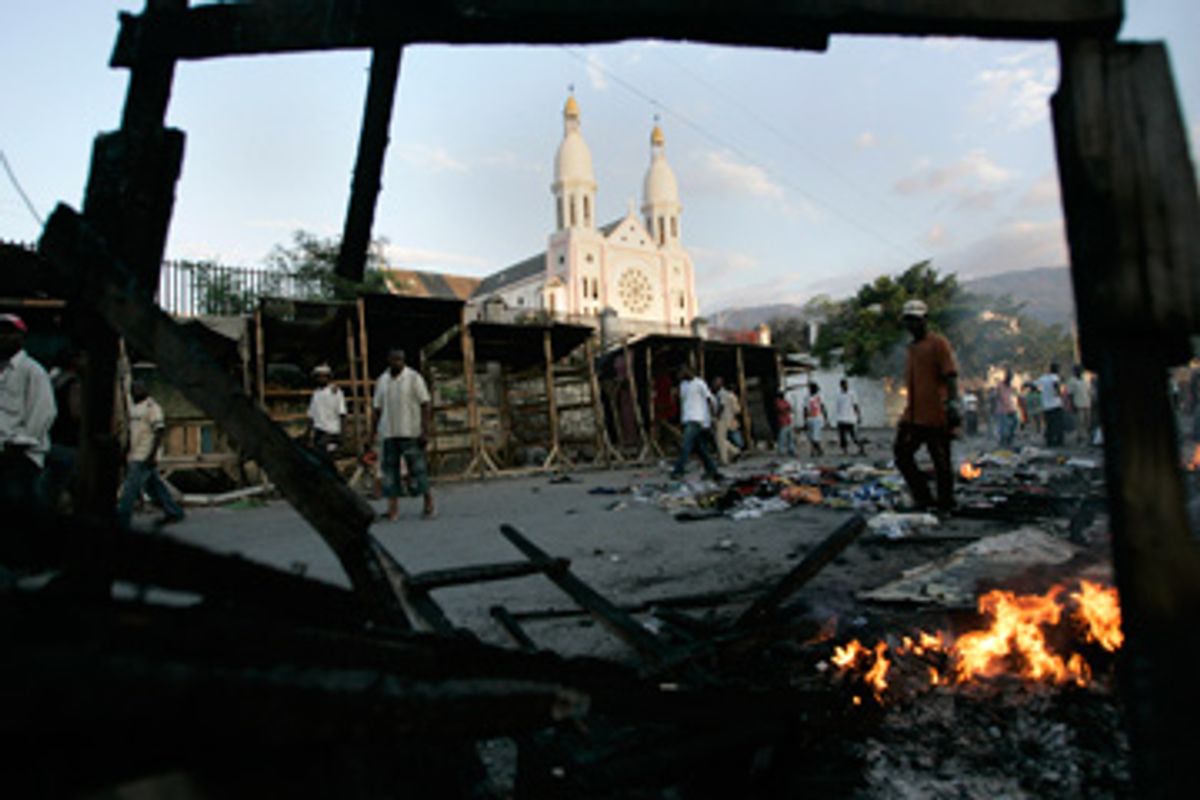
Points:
(636, 266)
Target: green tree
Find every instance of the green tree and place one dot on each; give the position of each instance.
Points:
(311, 264)
(224, 290)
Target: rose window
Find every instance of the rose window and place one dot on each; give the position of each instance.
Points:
(635, 290)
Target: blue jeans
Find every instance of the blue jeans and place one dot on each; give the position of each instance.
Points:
(695, 437)
(1007, 428)
(140, 475)
(418, 472)
(786, 443)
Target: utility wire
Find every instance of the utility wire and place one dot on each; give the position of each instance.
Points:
(17, 185)
(736, 150)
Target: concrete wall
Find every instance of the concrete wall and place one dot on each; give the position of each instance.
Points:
(872, 398)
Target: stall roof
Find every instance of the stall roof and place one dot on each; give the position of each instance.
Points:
(517, 345)
(718, 355)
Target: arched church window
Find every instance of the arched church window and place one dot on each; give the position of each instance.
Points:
(558, 212)
(674, 227)
(587, 211)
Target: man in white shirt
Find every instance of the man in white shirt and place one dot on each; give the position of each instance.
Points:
(146, 428)
(1050, 388)
(326, 410)
(696, 404)
(27, 411)
(403, 413)
(848, 416)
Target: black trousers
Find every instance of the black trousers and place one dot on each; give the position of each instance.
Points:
(936, 440)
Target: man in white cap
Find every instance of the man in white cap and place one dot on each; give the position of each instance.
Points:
(932, 413)
(27, 411)
(326, 410)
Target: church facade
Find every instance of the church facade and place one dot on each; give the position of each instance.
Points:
(636, 266)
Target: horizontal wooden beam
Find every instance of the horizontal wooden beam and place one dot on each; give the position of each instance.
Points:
(479, 573)
(277, 26)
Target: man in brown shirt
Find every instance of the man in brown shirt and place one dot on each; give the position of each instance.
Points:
(932, 414)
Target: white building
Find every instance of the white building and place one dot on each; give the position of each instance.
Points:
(636, 266)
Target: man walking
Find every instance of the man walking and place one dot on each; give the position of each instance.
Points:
(146, 428)
(326, 412)
(1081, 397)
(848, 416)
(932, 413)
(403, 414)
(27, 411)
(785, 443)
(728, 409)
(1050, 389)
(1006, 410)
(696, 402)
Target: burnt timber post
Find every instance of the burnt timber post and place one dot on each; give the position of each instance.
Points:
(129, 198)
(1133, 225)
(372, 143)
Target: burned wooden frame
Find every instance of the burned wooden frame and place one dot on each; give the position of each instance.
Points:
(1131, 215)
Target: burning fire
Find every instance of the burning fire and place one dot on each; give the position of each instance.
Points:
(1016, 641)
(969, 471)
(1194, 464)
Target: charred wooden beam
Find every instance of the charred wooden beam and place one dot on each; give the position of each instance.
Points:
(806, 570)
(339, 516)
(418, 602)
(129, 197)
(513, 629)
(1133, 226)
(601, 608)
(479, 573)
(372, 143)
(274, 27)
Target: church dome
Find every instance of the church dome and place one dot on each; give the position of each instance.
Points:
(573, 162)
(660, 187)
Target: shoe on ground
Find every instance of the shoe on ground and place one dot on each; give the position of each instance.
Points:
(168, 519)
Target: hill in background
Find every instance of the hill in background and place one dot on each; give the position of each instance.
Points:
(1045, 291)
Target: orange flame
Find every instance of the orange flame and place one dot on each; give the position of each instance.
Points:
(1014, 641)
(969, 471)
(1194, 464)
(1100, 611)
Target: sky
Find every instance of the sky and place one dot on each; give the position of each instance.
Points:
(800, 173)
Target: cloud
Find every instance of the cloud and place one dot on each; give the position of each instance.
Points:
(1018, 88)
(720, 171)
(1044, 192)
(1017, 245)
(435, 158)
(713, 266)
(975, 172)
(936, 234)
(401, 256)
(864, 140)
(596, 72)
(506, 159)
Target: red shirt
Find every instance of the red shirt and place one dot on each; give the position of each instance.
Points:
(783, 409)
(929, 364)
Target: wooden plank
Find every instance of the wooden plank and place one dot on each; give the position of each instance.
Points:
(339, 516)
(272, 27)
(359, 436)
(431, 349)
(513, 628)
(816, 559)
(129, 197)
(1134, 221)
(368, 166)
(365, 360)
(603, 610)
(419, 603)
(479, 573)
(1132, 224)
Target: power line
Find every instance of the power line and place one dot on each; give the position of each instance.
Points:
(17, 185)
(735, 149)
